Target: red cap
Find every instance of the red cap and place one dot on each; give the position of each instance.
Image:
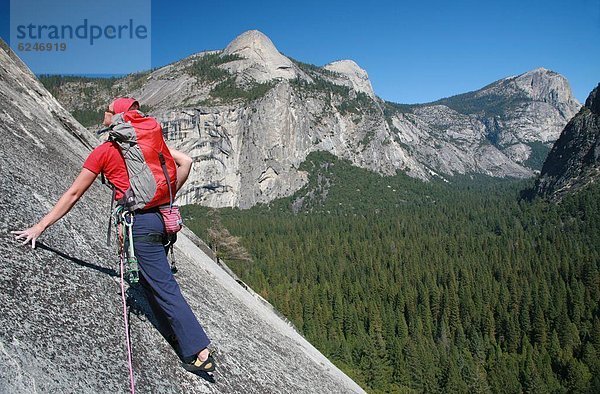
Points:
(123, 104)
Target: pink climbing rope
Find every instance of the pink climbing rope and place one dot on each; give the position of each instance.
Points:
(127, 339)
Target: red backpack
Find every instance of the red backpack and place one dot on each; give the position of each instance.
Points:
(151, 168)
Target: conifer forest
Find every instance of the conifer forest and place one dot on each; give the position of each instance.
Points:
(456, 285)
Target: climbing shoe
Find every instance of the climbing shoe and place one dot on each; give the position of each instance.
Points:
(197, 365)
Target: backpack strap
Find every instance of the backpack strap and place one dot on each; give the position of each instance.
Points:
(112, 207)
(163, 164)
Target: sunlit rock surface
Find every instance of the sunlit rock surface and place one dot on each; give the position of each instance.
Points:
(354, 76)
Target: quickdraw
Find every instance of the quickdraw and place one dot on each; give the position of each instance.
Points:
(124, 224)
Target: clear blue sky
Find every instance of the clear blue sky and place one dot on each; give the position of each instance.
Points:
(414, 51)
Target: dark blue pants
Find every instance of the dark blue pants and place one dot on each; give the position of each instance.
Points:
(164, 295)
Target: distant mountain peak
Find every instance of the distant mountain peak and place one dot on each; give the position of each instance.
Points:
(539, 70)
(250, 43)
(346, 64)
(357, 76)
(539, 85)
(261, 61)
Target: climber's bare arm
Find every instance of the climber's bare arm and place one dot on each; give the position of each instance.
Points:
(184, 166)
(64, 205)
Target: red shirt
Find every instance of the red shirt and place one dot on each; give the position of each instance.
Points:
(107, 158)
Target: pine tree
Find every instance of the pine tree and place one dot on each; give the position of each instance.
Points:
(452, 381)
(578, 376)
(380, 371)
(530, 377)
(539, 329)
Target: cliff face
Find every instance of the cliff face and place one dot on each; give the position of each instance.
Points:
(61, 323)
(249, 115)
(574, 161)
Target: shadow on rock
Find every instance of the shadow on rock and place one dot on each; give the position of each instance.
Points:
(137, 305)
(104, 270)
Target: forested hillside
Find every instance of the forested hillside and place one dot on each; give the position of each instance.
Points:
(435, 287)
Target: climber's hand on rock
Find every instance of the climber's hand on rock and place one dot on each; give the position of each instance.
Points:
(30, 234)
(60, 209)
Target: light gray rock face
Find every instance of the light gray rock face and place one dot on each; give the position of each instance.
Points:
(223, 140)
(168, 87)
(250, 154)
(61, 322)
(504, 120)
(267, 139)
(247, 151)
(352, 76)
(541, 105)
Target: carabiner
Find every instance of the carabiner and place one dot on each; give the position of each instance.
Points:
(125, 215)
